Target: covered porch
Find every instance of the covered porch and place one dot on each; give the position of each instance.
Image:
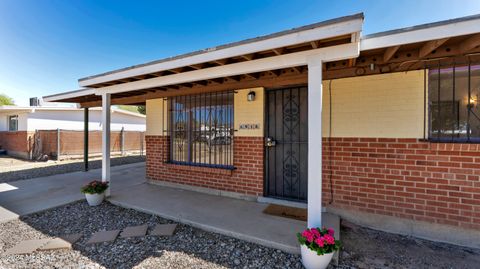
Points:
(303, 58)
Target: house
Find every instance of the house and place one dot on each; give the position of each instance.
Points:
(18, 126)
(381, 129)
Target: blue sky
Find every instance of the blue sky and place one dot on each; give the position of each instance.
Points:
(47, 45)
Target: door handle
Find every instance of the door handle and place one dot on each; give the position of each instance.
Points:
(269, 142)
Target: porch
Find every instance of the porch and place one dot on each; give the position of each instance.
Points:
(233, 217)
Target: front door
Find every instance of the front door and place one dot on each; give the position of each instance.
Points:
(286, 144)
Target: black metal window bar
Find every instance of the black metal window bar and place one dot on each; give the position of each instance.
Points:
(201, 129)
(454, 104)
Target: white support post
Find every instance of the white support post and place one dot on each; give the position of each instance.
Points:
(106, 139)
(314, 141)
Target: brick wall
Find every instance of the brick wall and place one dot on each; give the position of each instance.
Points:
(16, 143)
(246, 179)
(406, 178)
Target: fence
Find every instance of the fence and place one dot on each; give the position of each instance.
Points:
(64, 144)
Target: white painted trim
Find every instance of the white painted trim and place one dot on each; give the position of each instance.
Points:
(323, 32)
(430, 33)
(67, 95)
(314, 204)
(106, 139)
(328, 54)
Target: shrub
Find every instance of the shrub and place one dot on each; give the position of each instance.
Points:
(95, 187)
(321, 241)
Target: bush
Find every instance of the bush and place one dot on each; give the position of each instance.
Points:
(95, 187)
(321, 241)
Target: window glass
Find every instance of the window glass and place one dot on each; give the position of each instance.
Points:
(453, 103)
(13, 123)
(202, 129)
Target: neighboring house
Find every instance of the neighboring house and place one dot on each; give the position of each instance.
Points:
(19, 124)
(383, 129)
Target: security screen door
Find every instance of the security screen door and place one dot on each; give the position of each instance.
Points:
(286, 144)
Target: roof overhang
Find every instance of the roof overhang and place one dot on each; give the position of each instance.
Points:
(280, 60)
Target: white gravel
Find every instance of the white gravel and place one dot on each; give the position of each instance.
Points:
(187, 248)
(193, 248)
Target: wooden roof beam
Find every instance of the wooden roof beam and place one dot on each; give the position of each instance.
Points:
(314, 44)
(389, 52)
(279, 51)
(470, 43)
(221, 61)
(431, 46)
(248, 57)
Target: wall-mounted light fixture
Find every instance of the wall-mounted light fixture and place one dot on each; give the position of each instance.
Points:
(251, 96)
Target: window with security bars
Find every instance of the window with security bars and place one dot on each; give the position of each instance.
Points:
(454, 110)
(201, 129)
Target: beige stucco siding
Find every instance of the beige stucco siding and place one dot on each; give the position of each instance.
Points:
(249, 112)
(387, 105)
(156, 122)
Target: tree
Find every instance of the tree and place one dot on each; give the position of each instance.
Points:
(137, 109)
(6, 100)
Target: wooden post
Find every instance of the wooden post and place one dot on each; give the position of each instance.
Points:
(122, 141)
(58, 144)
(106, 139)
(314, 206)
(85, 138)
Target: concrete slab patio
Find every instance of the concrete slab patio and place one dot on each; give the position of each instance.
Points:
(233, 217)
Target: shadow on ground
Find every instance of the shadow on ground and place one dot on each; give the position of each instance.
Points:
(62, 168)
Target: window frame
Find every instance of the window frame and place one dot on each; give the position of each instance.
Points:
(434, 135)
(9, 121)
(199, 102)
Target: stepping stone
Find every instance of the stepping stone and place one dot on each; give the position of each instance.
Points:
(164, 229)
(56, 243)
(134, 231)
(27, 246)
(71, 238)
(103, 236)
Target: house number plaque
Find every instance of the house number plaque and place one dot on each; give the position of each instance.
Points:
(249, 126)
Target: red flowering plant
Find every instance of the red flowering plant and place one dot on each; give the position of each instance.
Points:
(95, 187)
(321, 241)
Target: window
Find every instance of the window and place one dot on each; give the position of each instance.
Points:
(13, 123)
(454, 110)
(201, 129)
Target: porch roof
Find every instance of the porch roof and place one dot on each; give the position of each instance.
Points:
(278, 60)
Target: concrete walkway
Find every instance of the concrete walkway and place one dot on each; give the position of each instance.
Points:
(232, 217)
(23, 197)
(241, 219)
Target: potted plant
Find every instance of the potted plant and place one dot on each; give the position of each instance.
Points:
(317, 247)
(95, 192)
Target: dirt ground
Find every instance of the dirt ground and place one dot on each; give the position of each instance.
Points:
(367, 248)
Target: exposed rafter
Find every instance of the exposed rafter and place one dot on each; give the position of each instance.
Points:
(389, 52)
(248, 57)
(314, 44)
(279, 51)
(431, 46)
(470, 43)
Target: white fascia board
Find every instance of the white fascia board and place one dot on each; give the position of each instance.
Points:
(73, 94)
(327, 31)
(421, 35)
(328, 54)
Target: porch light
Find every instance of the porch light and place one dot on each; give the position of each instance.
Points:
(251, 96)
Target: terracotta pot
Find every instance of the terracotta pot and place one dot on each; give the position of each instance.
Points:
(94, 199)
(311, 260)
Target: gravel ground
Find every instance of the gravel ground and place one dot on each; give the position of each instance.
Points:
(188, 248)
(194, 248)
(28, 169)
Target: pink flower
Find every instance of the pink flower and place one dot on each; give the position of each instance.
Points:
(329, 239)
(319, 242)
(315, 232)
(307, 234)
(331, 231)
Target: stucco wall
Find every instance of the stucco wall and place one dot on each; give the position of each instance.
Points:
(249, 113)
(387, 105)
(73, 120)
(156, 108)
